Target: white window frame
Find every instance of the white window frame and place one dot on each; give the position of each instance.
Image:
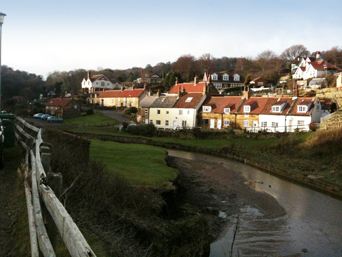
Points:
(214, 77)
(226, 110)
(206, 108)
(180, 112)
(236, 78)
(188, 100)
(263, 124)
(247, 108)
(300, 123)
(274, 124)
(158, 122)
(246, 123)
(226, 122)
(166, 122)
(225, 77)
(302, 108)
(276, 108)
(146, 112)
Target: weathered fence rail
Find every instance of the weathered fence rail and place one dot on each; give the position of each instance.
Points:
(40, 193)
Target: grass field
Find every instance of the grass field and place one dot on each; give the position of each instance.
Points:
(140, 164)
(95, 119)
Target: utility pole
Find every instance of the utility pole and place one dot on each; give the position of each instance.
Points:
(2, 16)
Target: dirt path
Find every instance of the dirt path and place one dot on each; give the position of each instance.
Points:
(117, 115)
(8, 177)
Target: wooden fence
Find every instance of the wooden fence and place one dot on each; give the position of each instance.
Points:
(45, 211)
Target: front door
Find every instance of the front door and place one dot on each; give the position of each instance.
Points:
(219, 124)
(212, 123)
(174, 124)
(146, 121)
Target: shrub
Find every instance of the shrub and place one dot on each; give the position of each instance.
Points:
(147, 130)
(90, 111)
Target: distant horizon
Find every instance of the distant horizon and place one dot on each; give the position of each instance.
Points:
(42, 37)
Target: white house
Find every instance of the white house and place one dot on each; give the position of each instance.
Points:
(98, 83)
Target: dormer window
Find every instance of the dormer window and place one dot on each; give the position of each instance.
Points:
(247, 108)
(214, 77)
(302, 108)
(226, 110)
(206, 108)
(188, 100)
(276, 108)
(225, 77)
(236, 77)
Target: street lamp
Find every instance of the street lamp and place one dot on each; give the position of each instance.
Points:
(2, 16)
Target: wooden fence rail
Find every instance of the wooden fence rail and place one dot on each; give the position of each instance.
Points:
(39, 192)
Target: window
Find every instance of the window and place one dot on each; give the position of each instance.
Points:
(274, 124)
(206, 108)
(151, 121)
(205, 122)
(247, 108)
(218, 85)
(75, 106)
(236, 78)
(167, 112)
(264, 124)
(180, 112)
(276, 108)
(166, 123)
(226, 110)
(157, 122)
(300, 123)
(226, 122)
(158, 111)
(102, 84)
(188, 111)
(260, 83)
(188, 100)
(184, 123)
(214, 77)
(225, 77)
(301, 108)
(146, 112)
(246, 123)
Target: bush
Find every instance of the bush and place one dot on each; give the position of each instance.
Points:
(147, 130)
(90, 111)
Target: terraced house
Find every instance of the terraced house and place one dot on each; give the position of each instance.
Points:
(223, 80)
(120, 98)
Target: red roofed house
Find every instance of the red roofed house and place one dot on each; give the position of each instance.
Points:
(121, 98)
(63, 108)
(314, 66)
(220, 111)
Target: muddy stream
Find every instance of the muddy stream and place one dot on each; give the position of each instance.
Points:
(311, 224)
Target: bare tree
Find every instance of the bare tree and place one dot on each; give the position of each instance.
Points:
(292, 52)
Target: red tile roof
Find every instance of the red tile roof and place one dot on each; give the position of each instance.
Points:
(221, 102)
(188, 87)
(257, 104)
(58, 102)
(275, 101)
(303, 101)
(195, 101)
(119, 93)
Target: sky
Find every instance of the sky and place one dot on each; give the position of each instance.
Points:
(45, 36)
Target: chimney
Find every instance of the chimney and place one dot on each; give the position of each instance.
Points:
(183, 89)
(158, 93)
(246, 93)
(122, 87)
(204, 92)
(179, 92)
(195, 81)
(296, 91)
(205, 78)
(318, 55)
(145, 86)
(176, 81)
(149, 92)
(88, 74)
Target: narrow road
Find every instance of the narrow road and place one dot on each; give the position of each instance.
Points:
(117, 115)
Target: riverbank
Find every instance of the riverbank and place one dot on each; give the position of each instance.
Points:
(310, 159)
(218, 193)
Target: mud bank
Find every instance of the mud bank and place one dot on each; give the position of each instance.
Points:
(219, 195)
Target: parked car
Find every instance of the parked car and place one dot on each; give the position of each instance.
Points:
(45, 116)
(38, 115)
(54, 119)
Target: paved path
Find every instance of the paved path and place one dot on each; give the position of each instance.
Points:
(117, 115)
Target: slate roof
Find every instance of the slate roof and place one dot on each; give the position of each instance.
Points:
(147, 101)
(182, 102)
(164, 102)
(58, 102)
(230, 78)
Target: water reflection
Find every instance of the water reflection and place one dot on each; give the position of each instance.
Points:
(313, 220)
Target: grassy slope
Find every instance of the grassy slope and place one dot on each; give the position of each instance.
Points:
(95, 119)
(140, 164)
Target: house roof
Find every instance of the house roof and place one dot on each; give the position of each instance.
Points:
(58, 102)
(188, 88)
(147, 101)
(257, 104)
(164, 102)
(276, 101)
(119, 93)
(303, 101)
(218, 103)
(190, 100)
